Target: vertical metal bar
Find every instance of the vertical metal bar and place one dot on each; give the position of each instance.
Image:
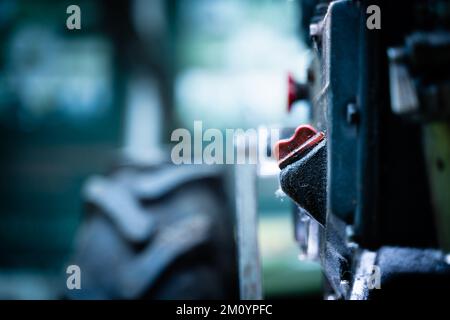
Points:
(247, 227)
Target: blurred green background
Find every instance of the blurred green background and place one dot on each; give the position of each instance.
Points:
(73, 102)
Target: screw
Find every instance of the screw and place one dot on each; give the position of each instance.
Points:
(352, 113)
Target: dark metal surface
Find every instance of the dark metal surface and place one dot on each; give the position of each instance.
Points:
(380, 209)
(305, 182)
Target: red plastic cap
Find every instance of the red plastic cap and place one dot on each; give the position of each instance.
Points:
(304, 138)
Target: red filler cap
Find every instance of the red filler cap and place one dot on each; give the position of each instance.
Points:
(304, 139)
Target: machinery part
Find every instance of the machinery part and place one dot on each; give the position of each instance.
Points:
(378, 197)
(403, 92)
(250, 277)
(411, 272)
(290, 150)
(162, 233)
(250, 273)
(302, 159)
(363, 272)
(420, 86)
(307, 234)
(436, 137)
